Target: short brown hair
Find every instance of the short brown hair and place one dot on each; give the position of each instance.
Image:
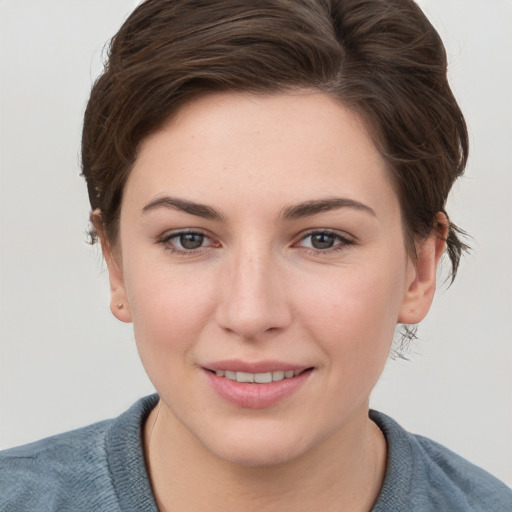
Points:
(381, 58)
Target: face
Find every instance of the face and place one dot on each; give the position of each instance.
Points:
(261, 240)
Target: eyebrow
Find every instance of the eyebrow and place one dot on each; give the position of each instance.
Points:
(200, 210)
(305, 209)
(313, 207)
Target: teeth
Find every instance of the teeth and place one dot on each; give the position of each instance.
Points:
(263, 378)
(260, 378)
(245, 377)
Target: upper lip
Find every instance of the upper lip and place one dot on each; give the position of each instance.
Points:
(236, 365)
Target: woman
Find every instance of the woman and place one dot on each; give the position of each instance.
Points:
(268, 184)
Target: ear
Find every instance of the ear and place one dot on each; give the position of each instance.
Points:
(118, 299)
(421, 275)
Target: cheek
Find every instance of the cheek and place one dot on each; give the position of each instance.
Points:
(353, 315)
(169, 310)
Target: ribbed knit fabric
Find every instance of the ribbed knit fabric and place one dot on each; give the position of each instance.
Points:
(125, 458)
(424, 476)
(100, 468)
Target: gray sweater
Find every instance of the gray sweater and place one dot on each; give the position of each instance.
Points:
(101, 468)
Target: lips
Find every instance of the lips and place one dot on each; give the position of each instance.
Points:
(256, 385)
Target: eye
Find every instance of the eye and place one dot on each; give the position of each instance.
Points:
(185, 242)
(190, 241)
(324, 241)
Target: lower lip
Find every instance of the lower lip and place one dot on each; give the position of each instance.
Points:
(256, 396)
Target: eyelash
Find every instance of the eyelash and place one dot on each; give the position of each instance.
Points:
(341, 242)
(166, 241)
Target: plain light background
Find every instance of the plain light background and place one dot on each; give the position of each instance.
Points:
(66, 362)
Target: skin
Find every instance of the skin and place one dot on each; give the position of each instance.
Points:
(259, 288)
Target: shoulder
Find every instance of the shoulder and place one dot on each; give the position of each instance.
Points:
(98, 467)
(454, 476)
(425, 476)
(52, 469)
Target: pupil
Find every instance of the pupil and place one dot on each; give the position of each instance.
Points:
(191, 241)
(322, 241)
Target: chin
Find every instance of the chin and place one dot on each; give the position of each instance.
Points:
(258, 456)
(257, 446)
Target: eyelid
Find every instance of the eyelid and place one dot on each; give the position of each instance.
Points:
(344, 239)
(166, 238)
(326, 231)
(174, 233)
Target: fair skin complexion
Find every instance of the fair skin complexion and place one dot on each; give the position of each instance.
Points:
(265, 230)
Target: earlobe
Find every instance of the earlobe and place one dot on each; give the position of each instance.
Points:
(120, 310)
(422, 273)
(119, 305)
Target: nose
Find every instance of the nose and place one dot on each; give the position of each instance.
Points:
(253, 298)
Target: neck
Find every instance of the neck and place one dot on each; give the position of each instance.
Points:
(344, 472)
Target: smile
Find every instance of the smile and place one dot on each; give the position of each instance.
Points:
(258, 378)
(257, 389)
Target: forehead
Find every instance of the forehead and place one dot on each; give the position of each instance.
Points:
(230, 149)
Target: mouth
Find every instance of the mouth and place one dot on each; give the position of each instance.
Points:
(256, 385)
(259, 378)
